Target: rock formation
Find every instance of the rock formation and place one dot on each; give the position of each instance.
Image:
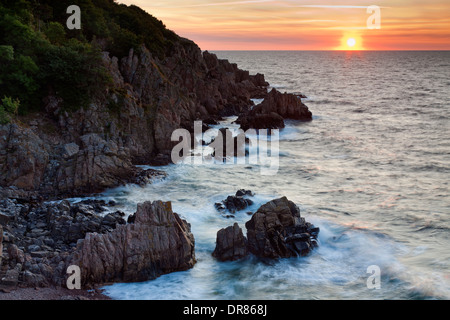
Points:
(158, 242)
(276, 230)
(235, 203)
(41, 240)
(231, 244)
(270, 113)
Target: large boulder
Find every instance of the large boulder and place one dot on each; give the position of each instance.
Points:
(231, 244)
(277, 230)
(158, 242)
(276, 107)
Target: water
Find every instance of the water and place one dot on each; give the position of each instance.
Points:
(371, 170)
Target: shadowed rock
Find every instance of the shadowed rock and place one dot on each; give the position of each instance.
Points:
(235, 203)
(276, 230)
(270, 113)
(231, 244)
(158, 242)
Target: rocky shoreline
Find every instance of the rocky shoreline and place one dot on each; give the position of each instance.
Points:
(55, 154)
(40, 241)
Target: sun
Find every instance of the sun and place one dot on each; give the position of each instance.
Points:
(351, 42)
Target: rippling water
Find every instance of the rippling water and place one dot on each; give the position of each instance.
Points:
(371, 170)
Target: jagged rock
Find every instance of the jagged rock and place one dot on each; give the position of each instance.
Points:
(70, 150)
(148, 176)
(243, 192)
(236, 202)
(270, 120)
(158, 242)
(287, 105)
(23, 157)
(52, 236)
(277, 230)
(231, 244)
(276, 107)
(69, 223)
(228, 145)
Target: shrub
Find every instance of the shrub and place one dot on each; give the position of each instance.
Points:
(8, 108)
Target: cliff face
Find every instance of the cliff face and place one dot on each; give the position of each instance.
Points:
(56, 153)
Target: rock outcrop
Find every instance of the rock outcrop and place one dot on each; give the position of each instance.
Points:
(231, 244)
(158, 242)
(238, 202)
(226, 146)
(270, 113)
(276, 230)
(40, 240)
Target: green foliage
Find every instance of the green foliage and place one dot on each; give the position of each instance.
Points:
(4, 117)
(55, 32)
(74, 72)
(8, 108)
(39, 55)
(10, 105)
(6, 53)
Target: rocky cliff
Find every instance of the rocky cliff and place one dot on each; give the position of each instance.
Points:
(58, 153)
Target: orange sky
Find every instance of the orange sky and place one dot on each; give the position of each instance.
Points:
(305, 25)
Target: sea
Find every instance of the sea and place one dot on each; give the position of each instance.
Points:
(372, 171)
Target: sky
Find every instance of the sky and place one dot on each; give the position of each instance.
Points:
(306, 25)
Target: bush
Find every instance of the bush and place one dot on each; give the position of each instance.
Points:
(10, 105)
(8, 108)
(55, 32)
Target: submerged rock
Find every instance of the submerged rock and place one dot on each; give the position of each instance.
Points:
(236, 202)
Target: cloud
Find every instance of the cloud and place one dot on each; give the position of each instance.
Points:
(332, 6)
(216, 4)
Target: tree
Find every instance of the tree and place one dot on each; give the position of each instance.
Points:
(55, 33)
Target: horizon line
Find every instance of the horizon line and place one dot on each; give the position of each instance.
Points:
(368, 50)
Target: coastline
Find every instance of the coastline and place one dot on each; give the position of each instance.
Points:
(52, 293)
